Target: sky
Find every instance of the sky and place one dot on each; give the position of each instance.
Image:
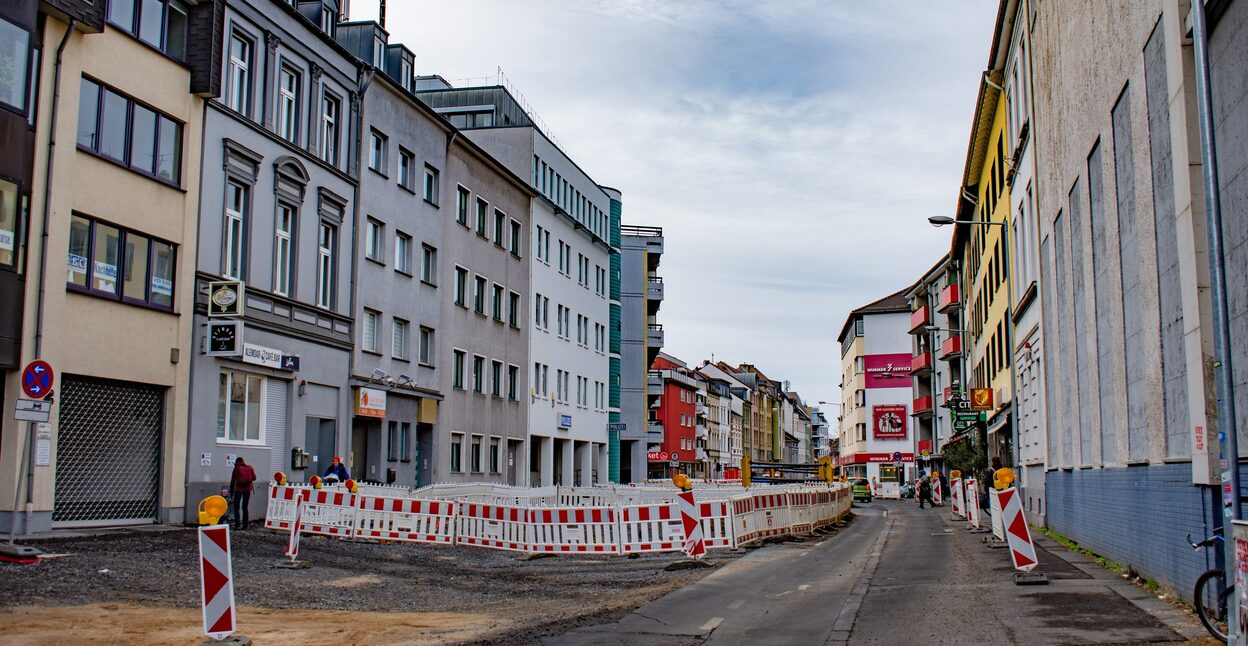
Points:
(791, 150)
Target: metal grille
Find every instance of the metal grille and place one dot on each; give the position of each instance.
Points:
(107, 452)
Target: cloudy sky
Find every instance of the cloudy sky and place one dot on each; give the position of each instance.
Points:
(790, 149)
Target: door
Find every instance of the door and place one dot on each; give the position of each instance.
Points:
(108, 452)
(321, 438)
(512, 467)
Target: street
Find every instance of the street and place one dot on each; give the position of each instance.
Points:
(899, 575)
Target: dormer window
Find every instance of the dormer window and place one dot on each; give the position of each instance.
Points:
(405, 72)
(379, 51)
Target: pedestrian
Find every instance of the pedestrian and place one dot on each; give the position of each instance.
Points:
(925, 492)
(242, 483)
(337, 470)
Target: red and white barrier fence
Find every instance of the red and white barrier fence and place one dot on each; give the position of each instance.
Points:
(621, 520)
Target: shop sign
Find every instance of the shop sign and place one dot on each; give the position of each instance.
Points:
(262, 356)
(565, 421)
(617, 426)
(225, 338)
(225, 298)
(981, 399)
(657, 456)
(888, 370)
(370, 402)
(888, 422)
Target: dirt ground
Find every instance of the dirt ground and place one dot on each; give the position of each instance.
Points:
(142, 588)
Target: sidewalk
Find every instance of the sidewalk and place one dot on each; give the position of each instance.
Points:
(956, 588)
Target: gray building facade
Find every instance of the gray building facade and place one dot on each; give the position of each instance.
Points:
(279, 187)
(641, 339)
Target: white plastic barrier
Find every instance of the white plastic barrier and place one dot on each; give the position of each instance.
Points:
(281, 510)
(650, 528)
(503, 527)
(717, 523)
(802, 513)
(330, 512)
(578, 529)
(406, 519)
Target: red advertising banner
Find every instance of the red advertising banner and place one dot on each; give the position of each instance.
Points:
(888, 422)
(864, 458)
(888, 370)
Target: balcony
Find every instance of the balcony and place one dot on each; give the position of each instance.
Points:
(654, 383)
(923, 406)
(654, 335)
(921, 364)
(654, 288)
(920, 318)
(949, 298)
(655, 426)
(951, 348)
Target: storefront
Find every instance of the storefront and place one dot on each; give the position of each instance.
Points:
(885, 471)
(390, 427)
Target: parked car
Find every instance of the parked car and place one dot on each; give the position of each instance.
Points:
(862, 490)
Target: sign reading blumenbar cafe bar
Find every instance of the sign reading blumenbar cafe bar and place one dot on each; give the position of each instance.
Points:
(269, 358)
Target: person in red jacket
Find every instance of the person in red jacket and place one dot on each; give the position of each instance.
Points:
(242, 483)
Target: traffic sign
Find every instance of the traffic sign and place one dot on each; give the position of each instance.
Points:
(37, 379)
(32, 410)
(673, 463)
(675, 457)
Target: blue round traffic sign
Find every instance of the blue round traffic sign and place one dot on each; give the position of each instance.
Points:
(897, 455)
(37, 379)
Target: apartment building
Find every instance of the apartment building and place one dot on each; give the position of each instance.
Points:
(98, 207)
(641, 339)
(676, 415)
(876, 440)
(933, 379)
(570, 282)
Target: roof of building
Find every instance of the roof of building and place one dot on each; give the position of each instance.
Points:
(895, 302)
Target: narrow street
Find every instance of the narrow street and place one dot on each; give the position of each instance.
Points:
(899, 575)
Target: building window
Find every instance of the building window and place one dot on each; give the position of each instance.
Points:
(238, 85)
(476, 453)
(500, 225)
(478, 374)
(496, 378)
(513, 309)
(428, 264)
(10, 247)
(13, 56)
(513, 377)
(457, 370)
(461, 287)
(461, 205)
(330, 108)
(116, 127)
(392, 441)
(373, 247)
(537, 244)
(368, 331)
(494, 455)
(119, 263)
(496, 302)
(398, 339)
(240, 402)
(431, 185)
(405, 441)
(425, 350)
(159, 23)
(457, 449)
(236, 210)
(327, 242)
(283, 259)
(483, 208)
(288, 83)
(407, 163)
(377, 154)
(515, 239)
(402, 252)
(478, 295)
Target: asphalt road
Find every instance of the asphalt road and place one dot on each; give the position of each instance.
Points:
(896, 575)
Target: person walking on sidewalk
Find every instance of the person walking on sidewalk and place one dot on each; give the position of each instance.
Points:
(925, 492)
(242, 483)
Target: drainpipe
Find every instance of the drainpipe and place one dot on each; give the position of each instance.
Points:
(1228, 440)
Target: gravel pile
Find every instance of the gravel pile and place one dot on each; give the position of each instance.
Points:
(161, 568)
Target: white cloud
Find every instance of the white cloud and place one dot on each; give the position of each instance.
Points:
(791, 150)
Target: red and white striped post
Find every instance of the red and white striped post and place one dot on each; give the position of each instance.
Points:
(216, 576)
(292, 544)
(1017, 533)
(691, 518)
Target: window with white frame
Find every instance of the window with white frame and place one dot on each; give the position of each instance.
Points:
(478, 374)
(537, 243)
(496, 378)
(457, 452)
(283, 257)
(476, 453)
(495, 460)
(331, 106)
(513, 309)
(374, 232)
(513, 378)
(402, 252)
(457, 369)
(462, 197)
(514, 242)
(238, 85)
(288, 83)
(398, 338)
(377, 152)
(500, 226)
(407, 170)
(240, 406)
(327, 243)
(483, 210)
(496, 302)
(461, 286)
(368, 330)
(425, 348)
(236, 209)
(431, 185)
(478, 294)
(429, 264)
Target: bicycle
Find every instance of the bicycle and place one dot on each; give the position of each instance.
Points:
(1212, 592)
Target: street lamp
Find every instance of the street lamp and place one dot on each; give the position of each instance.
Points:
(944, 220)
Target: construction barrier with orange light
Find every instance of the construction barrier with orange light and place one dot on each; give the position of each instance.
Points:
(556, 520)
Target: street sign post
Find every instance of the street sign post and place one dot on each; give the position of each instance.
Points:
(37, 379)
(32, 410)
